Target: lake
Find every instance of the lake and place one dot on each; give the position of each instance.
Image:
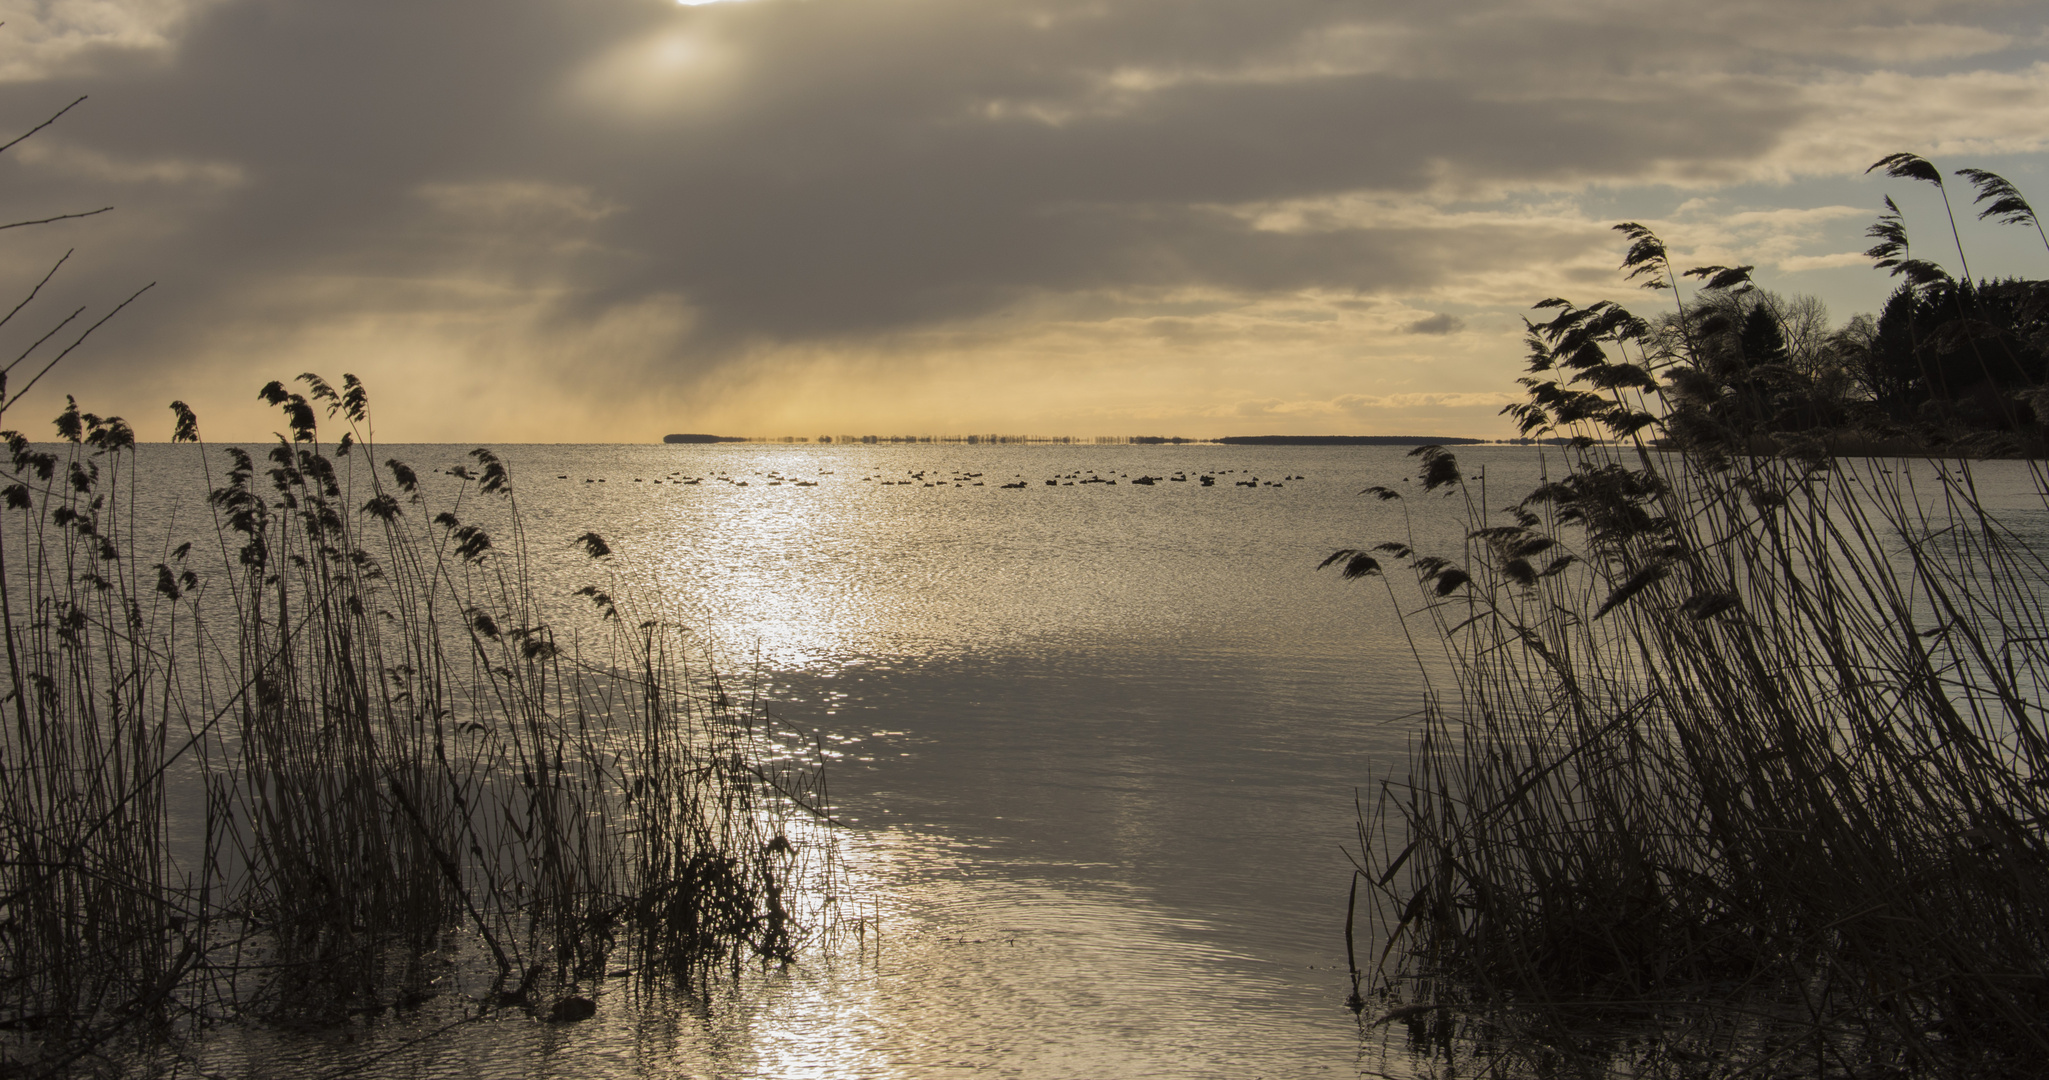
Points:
(1095, 746)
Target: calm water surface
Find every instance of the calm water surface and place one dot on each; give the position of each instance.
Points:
(1096, 744)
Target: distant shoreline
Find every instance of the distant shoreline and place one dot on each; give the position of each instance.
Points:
(1100, 440)
(1349, 440)
(703, 438)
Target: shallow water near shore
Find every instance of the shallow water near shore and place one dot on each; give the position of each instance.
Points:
(1095, 747)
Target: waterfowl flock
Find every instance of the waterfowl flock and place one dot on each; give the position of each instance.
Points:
(956, 479)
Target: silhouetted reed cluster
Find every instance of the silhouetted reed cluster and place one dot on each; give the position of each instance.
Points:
(346, 747)
(1745, 749)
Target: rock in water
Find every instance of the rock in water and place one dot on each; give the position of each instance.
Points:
(571, 1009)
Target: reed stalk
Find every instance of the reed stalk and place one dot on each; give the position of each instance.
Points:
(1734, 759)
(350, 704)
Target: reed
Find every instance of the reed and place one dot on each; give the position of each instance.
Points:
(382, 746)
(344, 750)
(1734, 759)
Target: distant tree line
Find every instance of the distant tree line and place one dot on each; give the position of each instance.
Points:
(1946, 359)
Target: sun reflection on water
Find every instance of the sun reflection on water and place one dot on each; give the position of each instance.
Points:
(1077, 732)
(774, 568)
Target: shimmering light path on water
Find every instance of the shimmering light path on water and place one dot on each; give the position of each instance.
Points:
(1096, 743)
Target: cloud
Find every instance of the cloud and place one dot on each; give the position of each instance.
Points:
(80, 163)
(1912, 42)
(1361, 402)
(47, 37)
(512, 203)
(1436, 324)
(679, 198)
(1850, 119)
(1796, 263)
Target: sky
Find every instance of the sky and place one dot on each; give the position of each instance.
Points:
(607, 220)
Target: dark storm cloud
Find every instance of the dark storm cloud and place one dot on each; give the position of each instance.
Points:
(835, 168)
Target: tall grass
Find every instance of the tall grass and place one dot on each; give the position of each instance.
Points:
(292, 769)
(1745, 746)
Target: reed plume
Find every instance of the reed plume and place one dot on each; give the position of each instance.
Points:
(1748, 773)
(354, 701)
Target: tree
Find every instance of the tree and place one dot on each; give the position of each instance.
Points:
(1751, 363)
(1954, 351)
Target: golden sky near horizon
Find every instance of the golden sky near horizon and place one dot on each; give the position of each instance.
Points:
(546, 221)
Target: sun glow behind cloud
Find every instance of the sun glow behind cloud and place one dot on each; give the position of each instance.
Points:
(676, 70)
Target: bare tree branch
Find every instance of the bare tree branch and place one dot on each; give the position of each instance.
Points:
(41, 126)
(59, 217)
(16, 396)
(39, 288)
(30, 351)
